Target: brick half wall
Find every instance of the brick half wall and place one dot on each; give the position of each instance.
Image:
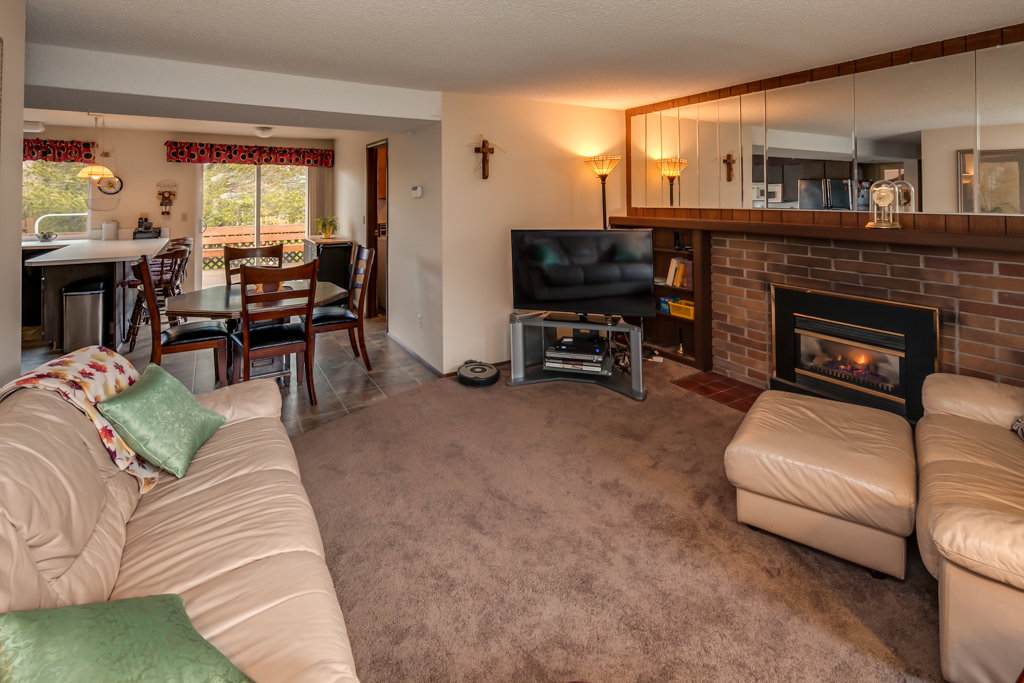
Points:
(979, 294)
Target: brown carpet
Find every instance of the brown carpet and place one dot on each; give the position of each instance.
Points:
(561, 532)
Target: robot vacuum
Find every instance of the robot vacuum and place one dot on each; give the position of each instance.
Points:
(476, 374)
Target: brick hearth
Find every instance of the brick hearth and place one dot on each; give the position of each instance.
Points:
(979, 293)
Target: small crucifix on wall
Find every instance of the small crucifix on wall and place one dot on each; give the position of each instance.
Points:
(486, 150)
(729, 160)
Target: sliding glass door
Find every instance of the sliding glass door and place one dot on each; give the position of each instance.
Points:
(246, 205)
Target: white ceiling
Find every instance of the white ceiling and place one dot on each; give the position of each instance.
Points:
(608, 53)
(120, 122)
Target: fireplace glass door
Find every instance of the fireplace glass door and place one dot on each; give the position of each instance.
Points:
(859, 366)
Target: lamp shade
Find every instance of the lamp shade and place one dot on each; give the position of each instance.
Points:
(671, 168)
(95, 172)
(602, 165)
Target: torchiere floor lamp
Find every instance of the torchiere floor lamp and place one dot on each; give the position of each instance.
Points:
(602, 166)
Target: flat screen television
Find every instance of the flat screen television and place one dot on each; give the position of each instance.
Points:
(605, 272)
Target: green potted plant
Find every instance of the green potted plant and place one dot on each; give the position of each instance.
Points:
(326, 226)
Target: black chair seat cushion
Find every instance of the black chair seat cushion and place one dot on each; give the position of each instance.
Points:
(333, 315)
(267, 336)
(191, 333)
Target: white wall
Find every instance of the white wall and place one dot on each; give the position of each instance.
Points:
(12, 31)
(414, 243)
(538, 181)
(350, 182)
(939, 180)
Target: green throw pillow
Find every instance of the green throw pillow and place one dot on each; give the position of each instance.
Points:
(161, 420)
(142, 640)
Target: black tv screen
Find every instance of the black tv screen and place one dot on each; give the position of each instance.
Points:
(609, 272)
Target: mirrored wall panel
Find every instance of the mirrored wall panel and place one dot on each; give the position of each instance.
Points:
(810, 162)
(1000, 160)
(911, 122)
(951, 127)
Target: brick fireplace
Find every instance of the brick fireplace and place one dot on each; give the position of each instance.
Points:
(979, 294)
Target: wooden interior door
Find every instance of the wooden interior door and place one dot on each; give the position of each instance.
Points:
(376, 188)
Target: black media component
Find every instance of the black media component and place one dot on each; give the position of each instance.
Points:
(677, 245)
(603, 272)
(476, 374)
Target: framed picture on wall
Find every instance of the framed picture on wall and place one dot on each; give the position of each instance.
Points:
(999, 186)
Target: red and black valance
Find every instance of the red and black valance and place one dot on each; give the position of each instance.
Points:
(212, 153)
(36, 149)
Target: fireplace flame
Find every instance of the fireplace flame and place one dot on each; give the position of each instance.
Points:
(862, 360)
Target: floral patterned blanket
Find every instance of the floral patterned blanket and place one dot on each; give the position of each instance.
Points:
(83, 379)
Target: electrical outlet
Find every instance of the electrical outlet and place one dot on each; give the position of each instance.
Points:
(184, 217)
(419, 319)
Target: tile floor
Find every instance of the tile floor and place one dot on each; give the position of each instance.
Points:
(342, 382)
(731, 392)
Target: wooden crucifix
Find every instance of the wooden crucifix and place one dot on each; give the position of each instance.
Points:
(729, 160)
(486, 150)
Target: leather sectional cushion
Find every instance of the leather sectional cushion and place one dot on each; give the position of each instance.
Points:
(256, 399)
(851, 462)
(978, 399)
(63, 503)
(949, 437)
(292, 629)
(237, 539)
(973, 515)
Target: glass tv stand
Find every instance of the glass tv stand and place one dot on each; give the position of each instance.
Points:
(532, 333)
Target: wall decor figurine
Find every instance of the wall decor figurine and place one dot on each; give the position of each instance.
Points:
(166, 191)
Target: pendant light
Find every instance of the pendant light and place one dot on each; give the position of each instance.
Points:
(101, 200)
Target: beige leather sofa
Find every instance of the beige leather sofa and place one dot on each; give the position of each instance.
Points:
(970, 524)
(236, 538)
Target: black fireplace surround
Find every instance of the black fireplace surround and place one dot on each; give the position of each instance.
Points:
(865, 351)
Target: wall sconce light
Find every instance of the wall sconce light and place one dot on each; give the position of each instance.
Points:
(602, 166)
(671, 168)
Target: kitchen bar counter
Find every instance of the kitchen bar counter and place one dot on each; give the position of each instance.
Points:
(64, 262)
(77, 252)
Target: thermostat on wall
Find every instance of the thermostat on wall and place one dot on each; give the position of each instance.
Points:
(417, 190)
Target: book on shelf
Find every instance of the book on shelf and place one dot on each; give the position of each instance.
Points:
(680, 273)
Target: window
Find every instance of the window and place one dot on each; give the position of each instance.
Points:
(53, 197)
(231, 204)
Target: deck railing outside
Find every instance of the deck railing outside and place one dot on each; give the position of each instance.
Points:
(214, 240)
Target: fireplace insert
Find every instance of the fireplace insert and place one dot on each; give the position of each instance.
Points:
(866, 351)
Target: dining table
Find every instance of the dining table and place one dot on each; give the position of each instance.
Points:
(225, 303)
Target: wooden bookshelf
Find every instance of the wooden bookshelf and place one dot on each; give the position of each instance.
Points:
(664, 332)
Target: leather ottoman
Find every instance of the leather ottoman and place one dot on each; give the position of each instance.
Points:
(837, 477)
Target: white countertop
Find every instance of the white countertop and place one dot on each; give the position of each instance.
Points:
(95, 251)
(35, 245)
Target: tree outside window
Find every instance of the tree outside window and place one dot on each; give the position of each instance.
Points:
(53, 192)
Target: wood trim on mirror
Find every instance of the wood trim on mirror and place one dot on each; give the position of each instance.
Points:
(919, 53)
(985, 224)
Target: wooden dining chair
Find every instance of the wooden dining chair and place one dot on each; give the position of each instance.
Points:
(258, 255)
(166, 271)
(261, 288)
(195, 336)
(334, 318)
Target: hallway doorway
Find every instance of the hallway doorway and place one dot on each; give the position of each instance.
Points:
(377, 225)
